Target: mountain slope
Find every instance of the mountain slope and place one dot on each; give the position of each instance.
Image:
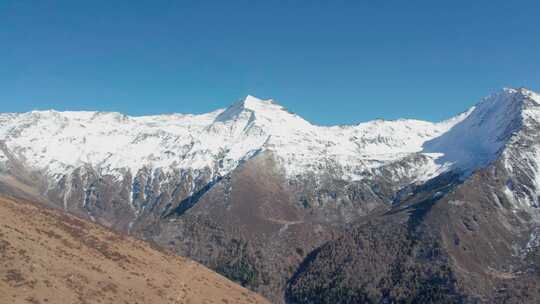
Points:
(449, 242)
(51, 257)
(453, 240)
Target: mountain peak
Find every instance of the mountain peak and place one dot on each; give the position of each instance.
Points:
(250, 105)
(522, 92)
(480, 137)
(509, 102)
(250, 99)
(253, 103)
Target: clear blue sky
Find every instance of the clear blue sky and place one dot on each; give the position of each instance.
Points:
(329, 61)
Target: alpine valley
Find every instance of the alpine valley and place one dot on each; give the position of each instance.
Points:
(403, 211)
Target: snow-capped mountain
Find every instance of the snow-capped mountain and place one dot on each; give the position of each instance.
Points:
(258, 183)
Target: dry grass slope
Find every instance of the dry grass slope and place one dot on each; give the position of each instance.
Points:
(47, 256)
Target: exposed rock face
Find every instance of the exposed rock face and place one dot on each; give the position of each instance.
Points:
(298, 211)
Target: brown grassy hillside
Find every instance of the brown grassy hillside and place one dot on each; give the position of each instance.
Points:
(47, 256)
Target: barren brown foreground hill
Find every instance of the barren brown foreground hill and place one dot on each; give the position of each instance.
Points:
(50, 257)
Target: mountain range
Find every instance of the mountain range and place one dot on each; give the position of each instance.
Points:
(402, 211)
